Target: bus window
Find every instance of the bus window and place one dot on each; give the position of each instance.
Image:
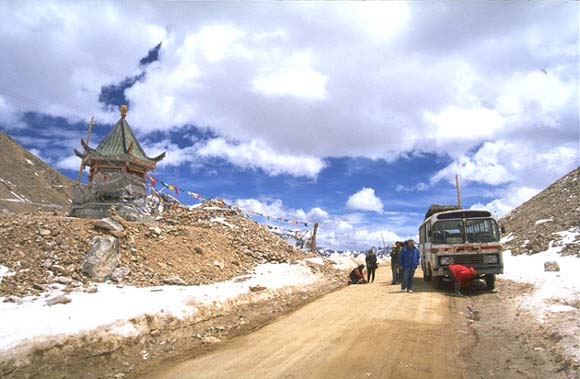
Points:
(428, 233)
(448, 232)
(484, 230)
(422, 234)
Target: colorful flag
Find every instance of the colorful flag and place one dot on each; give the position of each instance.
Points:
(153, 181)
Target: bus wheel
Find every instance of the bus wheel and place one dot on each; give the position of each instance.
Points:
(437, 282)
(427, 274)
(490, 282)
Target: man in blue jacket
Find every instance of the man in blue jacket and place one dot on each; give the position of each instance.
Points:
(408, 262)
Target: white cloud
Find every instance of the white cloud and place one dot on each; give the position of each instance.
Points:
(365, 200)
(298, 82)
(254, 155)
(501, 162)
(512, 198)
(420, 187)
(72, 163)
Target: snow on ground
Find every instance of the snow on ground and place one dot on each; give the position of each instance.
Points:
(555, 292)
(5, 271)
(543, 221)
(343, 261)
(33, 322)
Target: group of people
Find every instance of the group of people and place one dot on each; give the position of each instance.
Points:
(405, 259)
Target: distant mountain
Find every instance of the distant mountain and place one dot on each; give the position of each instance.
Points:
(551, 219)
(27, 183)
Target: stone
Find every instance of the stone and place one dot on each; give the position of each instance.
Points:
(210, 340)
(551, 266)
(44, 232)
(58, 269)
(198, 250)
(102, 258)
(13, 299)
(63, 280)
(120, 273)
(108, 224)
(175, 280)
(60, 299)
(91, 290)
(155, 332)
(219, 263)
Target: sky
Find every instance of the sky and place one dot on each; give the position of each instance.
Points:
(355, 115)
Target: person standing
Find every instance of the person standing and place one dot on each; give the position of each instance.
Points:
(395, 253)
(409, 261)
(371, 260)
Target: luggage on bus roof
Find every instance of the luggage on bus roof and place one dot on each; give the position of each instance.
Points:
(435, 208)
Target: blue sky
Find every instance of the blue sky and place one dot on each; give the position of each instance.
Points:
(354, 115)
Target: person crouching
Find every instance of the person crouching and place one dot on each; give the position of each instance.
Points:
(357, 275)
(462, 277)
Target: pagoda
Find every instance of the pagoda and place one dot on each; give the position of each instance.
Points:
(118, 169)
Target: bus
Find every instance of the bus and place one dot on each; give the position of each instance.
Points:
(459, 236)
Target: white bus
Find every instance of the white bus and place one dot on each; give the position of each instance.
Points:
(467, 237)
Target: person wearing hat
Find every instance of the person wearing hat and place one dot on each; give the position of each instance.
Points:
(372, 265)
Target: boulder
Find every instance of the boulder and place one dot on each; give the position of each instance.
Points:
(120, 273)
(102, 258)
(108, 224)
(175, 280)
(551, 266)
(60, 299)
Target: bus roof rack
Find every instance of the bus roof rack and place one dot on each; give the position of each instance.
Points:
(435, 208)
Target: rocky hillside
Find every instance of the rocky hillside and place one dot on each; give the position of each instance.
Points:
(551, 219)
(205, 245)
(27, 183)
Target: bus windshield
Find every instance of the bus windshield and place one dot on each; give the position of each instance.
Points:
(482, 230)
(451, 232)
(448, 232)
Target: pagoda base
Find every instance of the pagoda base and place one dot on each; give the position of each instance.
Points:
(101, 210)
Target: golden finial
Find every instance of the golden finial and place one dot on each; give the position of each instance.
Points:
(124, 110)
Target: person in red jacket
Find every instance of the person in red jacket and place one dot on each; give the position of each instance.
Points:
(461, 276)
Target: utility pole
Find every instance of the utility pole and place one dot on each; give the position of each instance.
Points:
(81, 170)
(313, 239)
(458, 187)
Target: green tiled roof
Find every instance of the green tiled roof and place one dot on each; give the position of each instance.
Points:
(119, 141)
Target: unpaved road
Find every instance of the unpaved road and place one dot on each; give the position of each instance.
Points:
(362, 331)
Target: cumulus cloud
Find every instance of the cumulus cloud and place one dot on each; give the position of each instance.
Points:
(512, 197)
(365, 200)
(256, 155)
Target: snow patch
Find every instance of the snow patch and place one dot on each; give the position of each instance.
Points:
(508, 238)
(5, 272)
(543, 221)
(222, 220)
(555, 292)
(29, 162)
(33, 323)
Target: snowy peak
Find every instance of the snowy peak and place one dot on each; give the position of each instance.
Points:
(549, 220)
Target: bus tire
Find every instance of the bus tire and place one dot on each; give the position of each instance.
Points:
(490, 282)
(437, 282)
(427, 274)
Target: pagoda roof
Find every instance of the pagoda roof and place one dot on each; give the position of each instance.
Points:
(121, 143)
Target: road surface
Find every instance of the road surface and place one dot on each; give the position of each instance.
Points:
(361, 331)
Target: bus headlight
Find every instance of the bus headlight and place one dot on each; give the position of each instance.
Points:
(490, 259)
(446, 260)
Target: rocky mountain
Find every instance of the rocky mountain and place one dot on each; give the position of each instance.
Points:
(551, 219)
(27, 183)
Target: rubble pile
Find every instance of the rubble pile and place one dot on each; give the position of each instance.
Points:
(542, 219)
(187, 247)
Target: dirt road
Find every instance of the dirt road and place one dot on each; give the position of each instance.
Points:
(362, 331)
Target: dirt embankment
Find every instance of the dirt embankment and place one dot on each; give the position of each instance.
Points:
(102, 355)
(201, 246)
